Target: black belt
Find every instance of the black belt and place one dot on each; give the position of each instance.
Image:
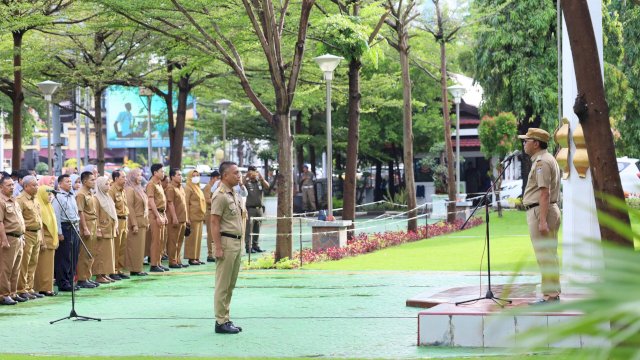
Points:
(255, 207)
(35, 231)
(69, 222)
(237, 237)
(122, 217)
(15, 235)
(527, 207)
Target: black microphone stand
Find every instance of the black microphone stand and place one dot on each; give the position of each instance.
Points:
(73, 314)
(485, 198)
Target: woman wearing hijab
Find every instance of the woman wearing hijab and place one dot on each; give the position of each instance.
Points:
(103, 263)
(47, 180)
(196, 210)
(138, 222)
(43, 278)
(75, 183)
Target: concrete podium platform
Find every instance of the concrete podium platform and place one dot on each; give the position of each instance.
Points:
(328, 234)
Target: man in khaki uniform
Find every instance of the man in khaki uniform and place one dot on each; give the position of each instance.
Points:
(32, 237)
(11, 241)
(116, 192)
(215, 176)
(177, 211)
(227, 225)
(543, 214)
(157, 217)
(256, 186)
(88, 225)
(306, 182)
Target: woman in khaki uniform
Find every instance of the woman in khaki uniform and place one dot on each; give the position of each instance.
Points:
(196, 209)
(137, 201)
(106, 230)
(43, 278)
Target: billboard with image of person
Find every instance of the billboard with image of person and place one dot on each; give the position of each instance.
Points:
(127, 118)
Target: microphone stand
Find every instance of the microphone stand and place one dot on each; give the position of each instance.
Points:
(73, 314)
(485, 198)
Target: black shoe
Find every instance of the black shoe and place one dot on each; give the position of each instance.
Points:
(141, 273)
(115, 277)
(257, 249)
(164, 268)
(86, 285)
(124, 276)
(165, 257)
(175, 266)
(211, 259)
(236, 326)
(19, 298)
(186, 265)
(156, 269)
(194, 262)
(48, 293)
(38, 296)
(76, 288)
(544, 301)
(226, 328)
(145, 261)
(65, 288)
(27, 296)
(6, 300)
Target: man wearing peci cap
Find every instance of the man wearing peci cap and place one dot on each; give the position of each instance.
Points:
(543, 214)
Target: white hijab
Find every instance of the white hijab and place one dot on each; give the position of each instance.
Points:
(106, 202)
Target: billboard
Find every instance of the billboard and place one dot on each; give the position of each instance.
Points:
(127, 118)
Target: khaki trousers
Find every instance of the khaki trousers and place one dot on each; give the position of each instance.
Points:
(308, 199)
(85, 263)
(193, 242)
(10, 266)
(227, 270)
(546, 249)
(175, 239)
(211, 246)
(252, 229)
(43, 280)
(120, 245)
(29, 262)
(103, 263)
(134, 256)
(157, 240)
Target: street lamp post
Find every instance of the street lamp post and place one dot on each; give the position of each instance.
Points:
(328, 64)
(47, 88)
(146, 92)
(224, 105)
(457, 91)
(3, 115)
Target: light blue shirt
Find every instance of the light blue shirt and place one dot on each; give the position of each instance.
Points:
(125, 120)
(241, 190)
(17, 189)
(70, 207)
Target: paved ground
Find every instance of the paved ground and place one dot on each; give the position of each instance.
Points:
(300, 313)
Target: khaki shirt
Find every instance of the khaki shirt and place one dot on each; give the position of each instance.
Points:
(30, 211)
(155, 192)
(138, 208)
(207, 196)
(84, 199)
(193, 199)
(545, 173)
(106, 227)
(11, 215)
(175, 195)
(120, 199)
(226, 204)
(306, 179)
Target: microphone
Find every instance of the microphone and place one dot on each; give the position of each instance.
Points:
(510, 157)
(53, 191)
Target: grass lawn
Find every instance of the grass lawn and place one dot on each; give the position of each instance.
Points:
(461, 251)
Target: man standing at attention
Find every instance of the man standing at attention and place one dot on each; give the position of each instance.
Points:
(116, 192)
(227, 225)
(11, 242)
(215, 176)
(88, 226)
(177, 211)
(67, 216)
(543, 214)
(306, 181)
(157, 217)
(32, 237)
(256, 187)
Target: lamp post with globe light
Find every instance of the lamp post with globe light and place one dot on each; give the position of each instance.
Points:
(224, 105)
(328, 63)
(457, 91)
(47, 88)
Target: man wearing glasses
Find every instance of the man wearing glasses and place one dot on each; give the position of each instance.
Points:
(540, 199)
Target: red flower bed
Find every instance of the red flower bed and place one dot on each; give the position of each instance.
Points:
(366, 243)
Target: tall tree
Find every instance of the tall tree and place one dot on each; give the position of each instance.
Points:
(19, 17)
(209, 32)
(400, 21)
(593, 112)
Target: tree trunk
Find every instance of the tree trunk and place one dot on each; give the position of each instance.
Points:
(176, 129)
(97, 98)
(409, 178)
(451, 178)
(299, 147)
(240, 152)
(18, 101)
(312, 158)
(378, 193)
(284, 245)
(593, 112)
(349, 190)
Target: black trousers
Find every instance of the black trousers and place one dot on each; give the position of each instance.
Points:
(66, 258)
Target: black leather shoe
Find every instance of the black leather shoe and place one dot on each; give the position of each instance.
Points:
(95, 283)
(156, 269)
(39, 296)
(19, 298)
(141, 273)
(124, 276)
(175, 266)
(543, 301)
(64, 289)
(48, 293)
(194, 262)
(6, 300)
(257, 249)
(211, 259)
(226, 328)
(165, 257)
(236, 326)
(253, 251)
(164, 268)
(115, 277)
(27, 296)
(86, 285)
